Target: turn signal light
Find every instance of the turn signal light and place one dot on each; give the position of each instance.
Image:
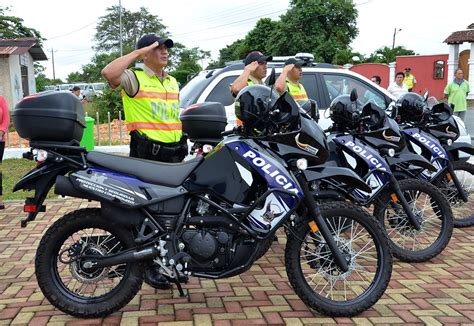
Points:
(313, 226)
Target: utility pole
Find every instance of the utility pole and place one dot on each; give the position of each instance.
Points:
(120, 22)
(395, 33)
(52, 59)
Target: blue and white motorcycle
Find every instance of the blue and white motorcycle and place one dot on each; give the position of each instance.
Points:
(209, 217)
(416, 216)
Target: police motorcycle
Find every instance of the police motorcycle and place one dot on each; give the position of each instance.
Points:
(431, 131)
(414, 213)
(208, 217)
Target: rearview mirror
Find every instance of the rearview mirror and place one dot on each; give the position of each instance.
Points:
(354, 95)
(272, 78)
(425, 95)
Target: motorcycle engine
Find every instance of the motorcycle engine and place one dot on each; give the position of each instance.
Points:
(209, 248)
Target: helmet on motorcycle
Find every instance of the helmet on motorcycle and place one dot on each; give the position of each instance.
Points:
(311, 108)
(259, 107)
(344, 113)
(410, 108)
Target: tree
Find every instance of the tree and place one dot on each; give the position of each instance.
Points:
(12, 27)
(74, 77)
(259, 38)
(345, 56)
(387, 55)
(134, 25)
(231, 52)
(320, 27)
(255, 40)
(188, 63)
(91, 71)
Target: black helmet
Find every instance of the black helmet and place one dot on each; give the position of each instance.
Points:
(260, 107)
(410, 107)
(253, 103)
(311, 108)
(344, 113)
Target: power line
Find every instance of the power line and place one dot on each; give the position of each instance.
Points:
(232, 23)
(231, 12)
(218, 37)
(72, 32)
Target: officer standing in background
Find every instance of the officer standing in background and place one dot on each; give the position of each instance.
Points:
(409, 79)
(289, 81)
(254, 72)
(150, 101)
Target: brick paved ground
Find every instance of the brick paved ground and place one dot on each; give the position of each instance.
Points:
(438, 292)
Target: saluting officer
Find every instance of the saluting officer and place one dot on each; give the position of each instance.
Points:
(289, 79)
(150, 100)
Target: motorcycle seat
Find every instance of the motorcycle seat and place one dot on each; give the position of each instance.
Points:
(167, 174)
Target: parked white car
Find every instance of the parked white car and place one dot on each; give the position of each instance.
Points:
(323, 83)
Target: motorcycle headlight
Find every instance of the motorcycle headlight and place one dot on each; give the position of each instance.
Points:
(391, 152)
(449, 142)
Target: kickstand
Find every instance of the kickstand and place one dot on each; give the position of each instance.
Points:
(180, 289)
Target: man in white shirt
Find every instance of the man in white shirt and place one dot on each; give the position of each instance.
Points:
(398, 88)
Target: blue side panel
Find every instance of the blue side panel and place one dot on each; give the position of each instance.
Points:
(374, 161)
(431, 144)
(274, 173)
(366, 153)
(121, 177)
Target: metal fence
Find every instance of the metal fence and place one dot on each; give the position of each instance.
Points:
(105, 133)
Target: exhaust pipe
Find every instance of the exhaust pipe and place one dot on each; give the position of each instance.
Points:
(125, 257)
(64, 187)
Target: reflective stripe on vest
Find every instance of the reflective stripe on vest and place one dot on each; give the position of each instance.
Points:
(408, 80)
(297, 91)
(154, 110)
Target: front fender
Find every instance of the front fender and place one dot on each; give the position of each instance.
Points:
(410, 158)
(455, 148)
(338, 174)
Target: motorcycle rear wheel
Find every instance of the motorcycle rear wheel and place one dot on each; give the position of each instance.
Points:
(67, 284)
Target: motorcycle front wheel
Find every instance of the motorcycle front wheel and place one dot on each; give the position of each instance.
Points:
(431, 209)
(462, 213)
(319, 282)
(64, 279)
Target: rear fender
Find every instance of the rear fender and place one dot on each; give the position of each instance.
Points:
(338, 174)
(40, 179)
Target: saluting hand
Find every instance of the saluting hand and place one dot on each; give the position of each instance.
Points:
(287, 68)
(251, 67)
(143, 51)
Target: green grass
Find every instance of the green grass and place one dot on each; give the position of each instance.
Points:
(13, 170)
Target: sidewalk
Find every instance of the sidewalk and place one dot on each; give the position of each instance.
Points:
(437, 292)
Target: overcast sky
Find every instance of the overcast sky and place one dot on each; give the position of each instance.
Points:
(69, 26)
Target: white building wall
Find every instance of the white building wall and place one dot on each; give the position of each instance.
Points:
(15, 79)
(31, 75)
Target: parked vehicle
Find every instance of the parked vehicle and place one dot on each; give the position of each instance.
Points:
(93, 89)
(323, 82)
(208, 217)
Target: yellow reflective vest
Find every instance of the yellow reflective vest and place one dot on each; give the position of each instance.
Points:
(297, 91)
(154, 110)
(409, 80)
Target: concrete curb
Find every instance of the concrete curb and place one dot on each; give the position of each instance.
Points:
(17, 152)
